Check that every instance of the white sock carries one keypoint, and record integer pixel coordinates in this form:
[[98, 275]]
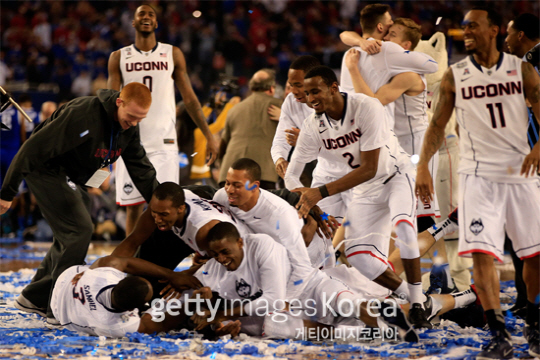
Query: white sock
[[464, 298], [403, 291], [416, 294]]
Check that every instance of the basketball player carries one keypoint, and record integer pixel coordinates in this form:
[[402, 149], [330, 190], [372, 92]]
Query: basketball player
[[499, 185], [408, 91], [266, 213], [189, 216], [371, 161], [256, 270], [294, 111], [102, 300], [159, 66]]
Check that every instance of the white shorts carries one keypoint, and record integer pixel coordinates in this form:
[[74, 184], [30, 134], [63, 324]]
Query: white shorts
[[447, 180], [167, 169], [337, 204], [487, 209], [412, 144], [371, 218]]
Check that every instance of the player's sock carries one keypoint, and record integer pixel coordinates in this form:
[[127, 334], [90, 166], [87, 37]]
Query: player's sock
[[403, 291], [533, 314], [415, 294], [443, 228], [495, 319], [464, 298]]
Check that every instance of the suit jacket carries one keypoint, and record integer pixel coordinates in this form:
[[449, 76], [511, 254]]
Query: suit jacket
[[249, 133]]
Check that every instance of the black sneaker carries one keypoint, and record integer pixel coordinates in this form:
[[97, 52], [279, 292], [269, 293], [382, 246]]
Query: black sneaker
[[393, 316], [500, 347], [418, 317], [532, 335], [432, 309], [440, 281]]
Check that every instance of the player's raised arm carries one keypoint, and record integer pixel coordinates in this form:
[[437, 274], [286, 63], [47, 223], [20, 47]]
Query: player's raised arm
[[435, 135], [115, 76], [531, 85], [193, 106]]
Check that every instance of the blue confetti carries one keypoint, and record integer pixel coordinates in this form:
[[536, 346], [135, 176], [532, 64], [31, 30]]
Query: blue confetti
[[205, 272], [277, 225], [434, 227], [324, 216], [250, 188], [537, 300], [84, 133], [250, 11], [298, 282], [435, 253], [213, 356], [346, 223]]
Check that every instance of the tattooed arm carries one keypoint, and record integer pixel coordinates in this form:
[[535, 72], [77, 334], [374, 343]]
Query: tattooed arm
[[193, 106], [531, 84], [435, 135]]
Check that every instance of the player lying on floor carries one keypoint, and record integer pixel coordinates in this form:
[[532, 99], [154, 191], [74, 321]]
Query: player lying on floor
[[103, 300], [253, 274]]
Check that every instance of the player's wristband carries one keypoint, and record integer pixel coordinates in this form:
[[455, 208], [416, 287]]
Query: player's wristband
[[324, 191]]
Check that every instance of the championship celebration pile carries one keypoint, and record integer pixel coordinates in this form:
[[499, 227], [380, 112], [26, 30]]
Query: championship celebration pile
[[369, 208]]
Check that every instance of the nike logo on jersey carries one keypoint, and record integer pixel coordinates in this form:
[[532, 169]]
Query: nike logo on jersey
[[320, 132], [462, 80], [256, 218]]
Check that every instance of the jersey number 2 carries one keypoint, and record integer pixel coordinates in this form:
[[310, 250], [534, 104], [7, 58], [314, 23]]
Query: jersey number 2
[[492, 114], [351, 159], [147, 80]]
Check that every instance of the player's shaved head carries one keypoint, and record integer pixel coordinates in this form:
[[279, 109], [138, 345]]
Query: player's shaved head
[[221, 231], [327, 75], [170, 191], [252, 169], [136, 92], [305, 63], [133, 292]]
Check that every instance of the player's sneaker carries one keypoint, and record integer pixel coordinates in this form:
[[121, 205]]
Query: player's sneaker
[[440, 280], [432, 308], [500, 347], [394, 317], [418, 317], [533, 336], [26, 305]]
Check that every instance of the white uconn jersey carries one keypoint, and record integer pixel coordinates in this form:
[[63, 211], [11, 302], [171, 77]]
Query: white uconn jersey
[[411, 113], [493, 119], [261, 277], [200, 212], [78, 308], [363, 127], [154, 69]]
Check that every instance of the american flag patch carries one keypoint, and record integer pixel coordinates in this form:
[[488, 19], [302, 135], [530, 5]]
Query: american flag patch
[[511, 72], [163, 54]]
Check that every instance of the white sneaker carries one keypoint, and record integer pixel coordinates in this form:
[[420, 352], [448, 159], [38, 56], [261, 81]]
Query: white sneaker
[[26, 305]]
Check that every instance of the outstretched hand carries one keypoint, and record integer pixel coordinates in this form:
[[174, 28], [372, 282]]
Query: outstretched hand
[[309, 197]]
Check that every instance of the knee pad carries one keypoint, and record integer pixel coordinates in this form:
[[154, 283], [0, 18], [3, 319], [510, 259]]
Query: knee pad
[[368, 264], [408, 241]]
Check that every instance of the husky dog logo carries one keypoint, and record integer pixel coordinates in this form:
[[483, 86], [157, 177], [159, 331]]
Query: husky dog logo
[[243, 289], [128, 188], [476, 226]]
